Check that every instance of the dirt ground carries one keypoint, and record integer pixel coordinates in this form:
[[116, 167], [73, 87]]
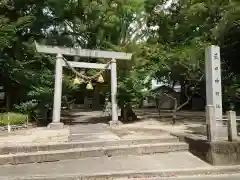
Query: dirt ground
[[187, 122]]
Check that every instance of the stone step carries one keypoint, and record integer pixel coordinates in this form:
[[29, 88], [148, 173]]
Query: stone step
[[203, 176], [76, 153], [13, 149], [200, 176], [172, 165]]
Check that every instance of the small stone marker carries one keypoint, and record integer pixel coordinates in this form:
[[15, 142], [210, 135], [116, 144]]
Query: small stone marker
[[232, 126]]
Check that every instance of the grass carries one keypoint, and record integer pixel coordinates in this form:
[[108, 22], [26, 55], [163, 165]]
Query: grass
[[14, 118]]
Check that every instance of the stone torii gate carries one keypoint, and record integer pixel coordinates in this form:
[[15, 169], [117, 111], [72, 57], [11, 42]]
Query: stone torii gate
[[59, 52]]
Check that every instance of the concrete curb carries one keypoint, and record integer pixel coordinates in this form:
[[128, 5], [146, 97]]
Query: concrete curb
[[151, 174], [50, 156], [87, 144], [218, 153]]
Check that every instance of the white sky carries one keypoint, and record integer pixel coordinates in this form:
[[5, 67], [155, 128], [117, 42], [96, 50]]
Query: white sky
[[168, 3]]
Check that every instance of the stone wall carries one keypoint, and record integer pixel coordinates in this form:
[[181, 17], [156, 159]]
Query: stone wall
[[215, 153]]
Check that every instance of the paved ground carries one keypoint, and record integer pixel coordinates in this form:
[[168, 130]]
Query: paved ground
[[215, 177], [102, 132], [211, 177], [102, 165], [91, 132]]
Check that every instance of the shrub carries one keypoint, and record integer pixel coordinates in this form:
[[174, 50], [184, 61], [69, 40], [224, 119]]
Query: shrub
[[14, 118], [25, 107]]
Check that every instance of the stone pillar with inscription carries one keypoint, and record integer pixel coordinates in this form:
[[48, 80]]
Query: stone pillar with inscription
[[214, 86]]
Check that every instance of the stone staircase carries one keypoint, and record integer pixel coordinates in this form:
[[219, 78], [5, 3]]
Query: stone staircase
[[77, 150], [100, 152]]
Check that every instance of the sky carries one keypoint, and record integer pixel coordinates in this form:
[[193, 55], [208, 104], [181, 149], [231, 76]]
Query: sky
[[168, 3]]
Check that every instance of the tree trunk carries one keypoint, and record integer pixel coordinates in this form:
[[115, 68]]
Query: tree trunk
[[174, 115], [7, 99], [183, 97], [127, 113]]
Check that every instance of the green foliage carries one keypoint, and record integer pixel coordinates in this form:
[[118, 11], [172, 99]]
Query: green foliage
[[232, 93], [42, 92], [167, 42], [26, 107], [184, 29], [12, 118], [130, 88]]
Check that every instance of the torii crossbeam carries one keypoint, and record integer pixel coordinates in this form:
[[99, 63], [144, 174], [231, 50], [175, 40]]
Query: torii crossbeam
[[59, 52]]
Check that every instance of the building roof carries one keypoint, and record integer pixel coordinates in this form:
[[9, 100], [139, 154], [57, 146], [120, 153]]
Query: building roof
[[163, 88]]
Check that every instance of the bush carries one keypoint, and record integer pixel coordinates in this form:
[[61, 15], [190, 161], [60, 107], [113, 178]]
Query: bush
[[14, 118], [25, 107]]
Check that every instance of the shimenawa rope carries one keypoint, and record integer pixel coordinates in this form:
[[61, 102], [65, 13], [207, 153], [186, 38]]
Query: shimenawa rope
[[80, 75]]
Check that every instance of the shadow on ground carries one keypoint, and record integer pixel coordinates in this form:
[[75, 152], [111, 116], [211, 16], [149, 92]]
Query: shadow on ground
[[83, 116], [100, 120]]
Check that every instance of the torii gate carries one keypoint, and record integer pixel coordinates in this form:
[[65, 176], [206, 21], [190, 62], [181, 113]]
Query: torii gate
[[60, 51]]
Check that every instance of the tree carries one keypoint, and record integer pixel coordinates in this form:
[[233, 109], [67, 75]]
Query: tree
[[182, 31], [168, 43], [90, 24], [11, 58], [114, 25], [227, 33], [182, 65], [22, 68]]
